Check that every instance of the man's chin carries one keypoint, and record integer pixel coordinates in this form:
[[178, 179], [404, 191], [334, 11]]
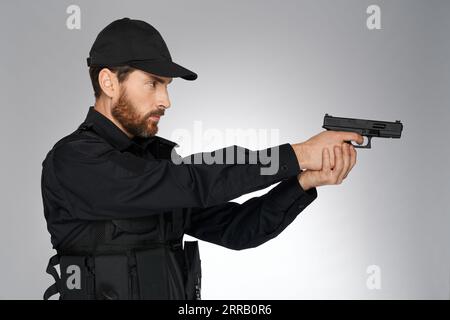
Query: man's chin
[[150, 132]]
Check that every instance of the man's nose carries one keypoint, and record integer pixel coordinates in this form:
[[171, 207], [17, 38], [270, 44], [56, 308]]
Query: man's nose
[[164, 101]]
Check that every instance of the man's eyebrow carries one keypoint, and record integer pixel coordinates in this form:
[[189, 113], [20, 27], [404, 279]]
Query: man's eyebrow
[[160, 80]]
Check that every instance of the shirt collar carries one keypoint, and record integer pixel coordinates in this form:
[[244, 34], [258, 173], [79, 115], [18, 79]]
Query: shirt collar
[[115, 136]]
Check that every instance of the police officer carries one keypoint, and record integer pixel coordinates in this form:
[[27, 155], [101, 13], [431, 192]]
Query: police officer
[[118, 198]]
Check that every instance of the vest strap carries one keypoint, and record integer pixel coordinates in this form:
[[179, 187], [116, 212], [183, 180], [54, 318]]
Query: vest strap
[[51, 270]]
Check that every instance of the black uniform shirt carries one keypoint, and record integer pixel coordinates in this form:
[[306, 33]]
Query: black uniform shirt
[[98, 173]]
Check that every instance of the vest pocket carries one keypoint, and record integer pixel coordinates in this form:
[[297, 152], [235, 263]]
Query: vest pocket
[[176, 276], [152, 273], [111, 277]]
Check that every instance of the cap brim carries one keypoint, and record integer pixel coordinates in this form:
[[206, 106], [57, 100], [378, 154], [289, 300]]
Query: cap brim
[[164, 69]]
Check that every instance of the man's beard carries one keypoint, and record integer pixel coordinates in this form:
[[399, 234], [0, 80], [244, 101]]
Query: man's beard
[[127, 115]]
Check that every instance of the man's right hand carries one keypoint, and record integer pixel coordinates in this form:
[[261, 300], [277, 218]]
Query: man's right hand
[[309, 153]]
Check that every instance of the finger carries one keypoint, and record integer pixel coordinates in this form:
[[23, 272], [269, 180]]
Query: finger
[[332, 158], [352, 136], [326, 165], [354, 155], [339, 163], [346, 159], [352, 160]]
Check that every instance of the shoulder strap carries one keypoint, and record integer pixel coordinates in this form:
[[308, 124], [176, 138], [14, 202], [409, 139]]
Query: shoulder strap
[[51, 270]]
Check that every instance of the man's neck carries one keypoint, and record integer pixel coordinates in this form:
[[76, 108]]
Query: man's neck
[[104, 108]]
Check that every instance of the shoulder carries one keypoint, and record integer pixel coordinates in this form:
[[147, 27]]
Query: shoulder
[[166, 147], [80, 144]]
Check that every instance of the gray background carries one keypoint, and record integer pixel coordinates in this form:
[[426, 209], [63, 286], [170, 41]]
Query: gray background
[[261, 64]]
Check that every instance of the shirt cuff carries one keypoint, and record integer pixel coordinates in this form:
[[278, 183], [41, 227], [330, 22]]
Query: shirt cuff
[[288, 160], [289, 192]]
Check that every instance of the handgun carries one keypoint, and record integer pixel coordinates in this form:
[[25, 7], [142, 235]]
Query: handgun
[[367, 128]]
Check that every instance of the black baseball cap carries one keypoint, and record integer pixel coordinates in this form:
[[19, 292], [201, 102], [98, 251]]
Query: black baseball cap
[[137, 44]]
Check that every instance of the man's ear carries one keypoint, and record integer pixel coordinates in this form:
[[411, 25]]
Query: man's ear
[[108, 83]]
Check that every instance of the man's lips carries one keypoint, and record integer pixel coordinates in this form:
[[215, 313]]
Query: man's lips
[[155, 117]]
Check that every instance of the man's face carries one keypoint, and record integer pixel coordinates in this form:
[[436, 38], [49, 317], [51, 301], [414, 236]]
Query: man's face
[[143, 98]]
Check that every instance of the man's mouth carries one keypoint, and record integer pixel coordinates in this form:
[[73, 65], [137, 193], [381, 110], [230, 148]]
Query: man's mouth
[[155, 117]]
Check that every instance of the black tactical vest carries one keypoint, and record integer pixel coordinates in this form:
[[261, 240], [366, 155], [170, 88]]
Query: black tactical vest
[[141, 258]]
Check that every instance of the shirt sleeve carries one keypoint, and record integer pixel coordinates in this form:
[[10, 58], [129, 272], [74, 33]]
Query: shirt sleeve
[[257, 220], [100, 182]]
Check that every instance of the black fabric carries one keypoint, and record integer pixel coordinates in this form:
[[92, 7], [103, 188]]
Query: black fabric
[[152, 274], [138, 44], [76, 278], [162, 271], [255, 221], [112, 277], [104, 193], [194, 273]]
